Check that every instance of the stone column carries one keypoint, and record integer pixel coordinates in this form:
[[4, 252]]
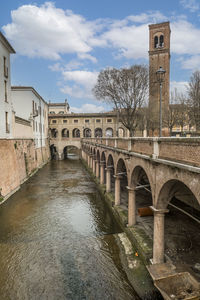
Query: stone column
[[91, 161], [117, 189], [82, 154], [102, 179], [108, 179], [97, 169], [94, 165], [131, 206], [88, 160], [158, 235]]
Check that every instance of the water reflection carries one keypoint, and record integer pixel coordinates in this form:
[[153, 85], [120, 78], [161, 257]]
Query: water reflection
[[56, 240]]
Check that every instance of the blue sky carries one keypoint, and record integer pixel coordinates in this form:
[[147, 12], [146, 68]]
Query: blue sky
[[62, 45]]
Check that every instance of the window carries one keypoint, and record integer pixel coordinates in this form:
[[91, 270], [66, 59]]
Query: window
[[39, 110], [109, 120], [87, 121], [98, 120], [64, 121], [5, 90], [156, 42], [54, 121], [52, 112], [5, 67], [75, 121], [7, 125], [61, 112], [162, 41]]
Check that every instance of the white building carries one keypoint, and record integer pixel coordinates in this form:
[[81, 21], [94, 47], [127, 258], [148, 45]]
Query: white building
[[5, 90], [30, 115]]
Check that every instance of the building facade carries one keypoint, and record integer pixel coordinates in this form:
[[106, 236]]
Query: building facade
[[5, 94], [30, 115], [67, 129]]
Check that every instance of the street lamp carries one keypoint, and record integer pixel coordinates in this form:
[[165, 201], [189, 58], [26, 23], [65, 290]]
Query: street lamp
[[160, 73]]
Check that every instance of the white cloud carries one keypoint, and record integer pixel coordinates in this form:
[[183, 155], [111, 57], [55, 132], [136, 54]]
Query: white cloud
[[184, 38], [87, 108], [153, 17], [79, 83], [180, 86], [192, 5], [131, 41], [56, 67], [87, 56], [192, 63], [48, 32]]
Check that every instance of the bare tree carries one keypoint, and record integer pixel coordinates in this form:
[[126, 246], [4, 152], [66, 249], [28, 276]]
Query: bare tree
[[177, 113], [194, 99], [126, 90]]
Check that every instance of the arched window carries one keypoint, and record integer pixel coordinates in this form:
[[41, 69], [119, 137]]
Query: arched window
[[76, 133], [54, 133], [109, 132], [161, 44], [87, 132], [156, 42], [98, 132], [65, 133], [121, 132]]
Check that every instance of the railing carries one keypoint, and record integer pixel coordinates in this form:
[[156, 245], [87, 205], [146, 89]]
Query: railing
[[183, 150]]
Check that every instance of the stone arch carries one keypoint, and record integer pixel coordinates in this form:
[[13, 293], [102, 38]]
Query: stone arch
[[87, 132], [103, 157], [76, 133], [110, 161], [71, 151], [181, 235], [110, 166], [103, 167], [98, 132], [172, 188], [109, 132], [140, 181], [54, 133], [98, 155], [121, 171], [65, 133]]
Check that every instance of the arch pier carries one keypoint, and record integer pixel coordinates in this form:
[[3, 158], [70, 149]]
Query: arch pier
[[155, 181]]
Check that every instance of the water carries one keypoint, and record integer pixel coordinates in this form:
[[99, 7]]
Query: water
[[57, 240]]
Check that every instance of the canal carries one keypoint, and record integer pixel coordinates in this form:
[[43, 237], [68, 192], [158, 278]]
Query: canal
[[57, 240]]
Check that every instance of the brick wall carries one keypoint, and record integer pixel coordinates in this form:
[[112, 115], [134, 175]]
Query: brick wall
[[181, 150], [142, 146], [18, 160]]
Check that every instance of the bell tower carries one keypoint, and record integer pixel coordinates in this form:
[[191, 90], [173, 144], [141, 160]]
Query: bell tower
[[159, 56]]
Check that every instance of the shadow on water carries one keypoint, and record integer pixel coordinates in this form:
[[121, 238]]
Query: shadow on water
[[56, 239]]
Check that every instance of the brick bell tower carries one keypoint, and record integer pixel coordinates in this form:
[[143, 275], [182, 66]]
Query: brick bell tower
[[159, 56]]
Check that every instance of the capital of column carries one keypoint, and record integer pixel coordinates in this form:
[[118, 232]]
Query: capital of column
[[109, 168], [159, 211], [102, 163], [116, 176], [130, 189]]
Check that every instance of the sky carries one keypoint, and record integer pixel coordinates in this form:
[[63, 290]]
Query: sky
[[61, 46]]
